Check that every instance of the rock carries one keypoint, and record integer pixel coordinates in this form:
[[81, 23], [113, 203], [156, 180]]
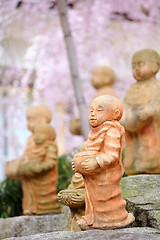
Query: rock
[[142, 194], [27, 225], [118, 234]]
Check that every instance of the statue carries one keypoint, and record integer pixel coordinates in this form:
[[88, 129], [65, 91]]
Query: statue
[[75, 127], [103, 79], [37, 168], [141, 118], [74, 198], [101, 167]]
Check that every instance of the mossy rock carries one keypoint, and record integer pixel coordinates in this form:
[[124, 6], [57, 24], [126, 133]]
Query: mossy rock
[[142, 194]]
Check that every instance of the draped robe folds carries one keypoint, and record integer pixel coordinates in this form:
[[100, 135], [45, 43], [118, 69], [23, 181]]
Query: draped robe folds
[[39, 191], [104, 206]]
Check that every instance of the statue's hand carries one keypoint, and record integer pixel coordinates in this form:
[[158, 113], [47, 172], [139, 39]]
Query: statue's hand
[[78, 199], [89, 165], [145, 112], [59, 196]]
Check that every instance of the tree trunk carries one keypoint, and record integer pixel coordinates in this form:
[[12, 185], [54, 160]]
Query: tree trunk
[[73, 67]]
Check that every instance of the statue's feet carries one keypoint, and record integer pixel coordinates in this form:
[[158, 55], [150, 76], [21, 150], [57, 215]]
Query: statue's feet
[[83, 224]]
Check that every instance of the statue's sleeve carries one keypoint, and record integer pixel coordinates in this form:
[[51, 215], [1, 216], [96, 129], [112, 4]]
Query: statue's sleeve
[[112, 148], [50, 160]]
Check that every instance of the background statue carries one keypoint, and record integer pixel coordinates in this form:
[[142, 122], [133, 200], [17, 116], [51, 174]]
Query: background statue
[[36, 169], [101, 167], [74, 197], [141, 118], [103, 79]]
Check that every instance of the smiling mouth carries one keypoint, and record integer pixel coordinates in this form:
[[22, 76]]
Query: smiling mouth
[[93, 119]]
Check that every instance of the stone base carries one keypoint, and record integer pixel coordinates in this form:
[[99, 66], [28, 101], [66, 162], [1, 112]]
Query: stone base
[[119, 234], [27, 225], [142, 194]]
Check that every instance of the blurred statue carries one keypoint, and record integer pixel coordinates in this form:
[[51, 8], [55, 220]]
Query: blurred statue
[[74, 197], [141, 118], [37, 168], [101, 167], [103, 79], [75, 127]]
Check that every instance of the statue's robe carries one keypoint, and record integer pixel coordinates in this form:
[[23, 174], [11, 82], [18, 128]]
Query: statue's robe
[[142, 138], [104, 207], [39, 177]]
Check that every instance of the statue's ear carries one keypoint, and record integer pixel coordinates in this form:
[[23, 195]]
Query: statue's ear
[[117, 113], [155, 67]]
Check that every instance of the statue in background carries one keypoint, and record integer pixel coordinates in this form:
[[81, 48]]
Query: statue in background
[[74, 197], [103, 79], [75, 127], [37, 168], [141, 118], [101, 167]]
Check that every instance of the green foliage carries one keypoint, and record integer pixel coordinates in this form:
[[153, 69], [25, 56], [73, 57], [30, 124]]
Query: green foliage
[[123, 155], [65, 171], [10, 198]]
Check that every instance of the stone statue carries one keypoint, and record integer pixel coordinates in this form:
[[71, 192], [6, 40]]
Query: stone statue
[[103, 79], [141, 118], [37, 168], [74, 197], [75, 127], [101, 167]]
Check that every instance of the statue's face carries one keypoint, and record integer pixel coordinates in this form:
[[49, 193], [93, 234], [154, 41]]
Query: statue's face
[[99, 113], [142, 67], [32, 121], [40, 137], [100, 78]]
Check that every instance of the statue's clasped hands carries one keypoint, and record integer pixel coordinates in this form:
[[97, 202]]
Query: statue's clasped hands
[[89, 165]]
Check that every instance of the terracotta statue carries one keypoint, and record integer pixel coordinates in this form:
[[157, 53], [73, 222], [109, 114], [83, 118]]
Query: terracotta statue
[[141, 118], [39, 180], [101, 167], [103, 79], [74, 197], [38, 170]]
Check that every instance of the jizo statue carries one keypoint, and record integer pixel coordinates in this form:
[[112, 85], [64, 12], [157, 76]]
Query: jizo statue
[[101, 167], [37, 168], [141, 118]]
